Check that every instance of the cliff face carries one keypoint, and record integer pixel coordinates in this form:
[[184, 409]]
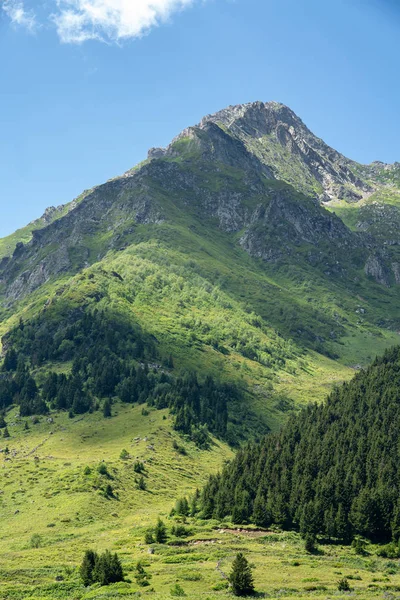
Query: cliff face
[[254, 171]]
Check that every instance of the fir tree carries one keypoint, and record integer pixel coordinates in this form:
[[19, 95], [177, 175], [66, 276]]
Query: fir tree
[[241, 577], [160, 532], [107, 409], [86, 570]]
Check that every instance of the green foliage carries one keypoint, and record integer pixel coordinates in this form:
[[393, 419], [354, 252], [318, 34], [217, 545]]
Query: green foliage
[[107, 408], [327, 472], [102, 469], [360, 546], [149, 537], [180, 531], [310, 543], [241, 577], [343, 585], [177, 590], [138, 467], [142, 577], [36, 540], [141, 483], [160, 532], [102, 568]]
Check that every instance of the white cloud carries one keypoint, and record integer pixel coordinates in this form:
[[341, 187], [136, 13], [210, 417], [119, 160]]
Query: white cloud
[[18, 15], [111, 20]]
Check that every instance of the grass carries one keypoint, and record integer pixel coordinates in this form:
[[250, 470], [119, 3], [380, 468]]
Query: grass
[[47, 491]]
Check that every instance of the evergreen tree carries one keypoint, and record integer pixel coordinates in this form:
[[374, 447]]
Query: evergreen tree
[[241, 578], [107, 408], [6, 433], [10, 360], [142, 576], [160, 532], [87, 567]]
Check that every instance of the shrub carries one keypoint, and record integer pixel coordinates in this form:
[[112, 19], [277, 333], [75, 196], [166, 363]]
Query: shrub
[[141, 483], [142, 577], [343, 585], [177, 590], [102, 469], [359, 546], [310, 543], [138, 467], [36, 541], [124, 454], [180, 531]]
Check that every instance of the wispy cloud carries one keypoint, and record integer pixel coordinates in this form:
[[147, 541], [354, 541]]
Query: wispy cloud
[[111, 20], [77, 21], [19, 15]]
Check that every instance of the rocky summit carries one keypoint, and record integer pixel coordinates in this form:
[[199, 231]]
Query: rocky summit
[[254, 171], [164, 319]]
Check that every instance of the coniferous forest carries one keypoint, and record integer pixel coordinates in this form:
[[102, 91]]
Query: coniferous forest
[[109, 359], [332, 470]]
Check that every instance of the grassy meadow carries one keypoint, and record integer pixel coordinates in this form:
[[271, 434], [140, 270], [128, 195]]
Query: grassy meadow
[[53, 496]]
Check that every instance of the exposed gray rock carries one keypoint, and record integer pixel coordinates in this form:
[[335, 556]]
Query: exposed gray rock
[[375, 267]]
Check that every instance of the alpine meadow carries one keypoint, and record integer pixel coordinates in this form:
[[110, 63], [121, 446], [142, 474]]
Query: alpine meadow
[[200, 375]]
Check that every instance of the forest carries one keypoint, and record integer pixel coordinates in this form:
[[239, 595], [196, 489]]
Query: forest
[[332, 470], [109, 359]]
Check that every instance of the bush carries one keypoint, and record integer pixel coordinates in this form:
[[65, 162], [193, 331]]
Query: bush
[[102, 469], [141, 576], [124, 454], [177, 590], [391, 550], [109, 492], [36, 541], [141, 484], [138, 467], [359, 546], [343, 585], [180, 531], [310, 543]]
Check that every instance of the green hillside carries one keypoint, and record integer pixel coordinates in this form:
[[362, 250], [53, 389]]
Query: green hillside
[[203, 298], [331, 470]]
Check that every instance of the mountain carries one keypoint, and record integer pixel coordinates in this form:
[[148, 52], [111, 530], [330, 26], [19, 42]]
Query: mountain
[[332, 470], [247, 250], [162, 320]]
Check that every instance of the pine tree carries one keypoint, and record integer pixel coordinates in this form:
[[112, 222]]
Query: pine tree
[[142, 577], [241, 578], [6, 433], [107, 409], [10, 360], [87, 567], [160, 532]]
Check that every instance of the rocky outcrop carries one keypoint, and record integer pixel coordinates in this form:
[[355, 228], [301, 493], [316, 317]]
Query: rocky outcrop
[[376, 268]]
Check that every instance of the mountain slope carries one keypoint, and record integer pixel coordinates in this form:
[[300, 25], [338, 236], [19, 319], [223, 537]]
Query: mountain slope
[[332, 470], [227, 258]]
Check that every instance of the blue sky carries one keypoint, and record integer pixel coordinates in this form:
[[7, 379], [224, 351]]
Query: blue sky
[[87, 86]]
